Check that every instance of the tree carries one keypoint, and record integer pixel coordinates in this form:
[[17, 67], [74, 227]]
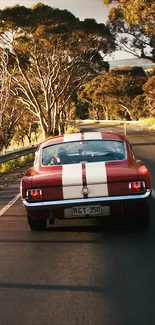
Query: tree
[[110, 95], [149, 88], [54, 53], [139, 107], [9, 110], [27, 128], [133, 22], [144, 104]]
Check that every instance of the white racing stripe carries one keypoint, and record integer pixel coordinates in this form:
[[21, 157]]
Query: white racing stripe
[[72, 181], [9, 204], [72, 137], [92, 135], [96, 177]]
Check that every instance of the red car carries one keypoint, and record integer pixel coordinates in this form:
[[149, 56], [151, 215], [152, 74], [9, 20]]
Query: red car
[[85, 175]]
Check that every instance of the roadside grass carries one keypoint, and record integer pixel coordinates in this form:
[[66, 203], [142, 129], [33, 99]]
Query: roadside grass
[[89, 122], [16, 163], [74, 126], [14, 145], [14, 170], [72, 129], [148, 122], [110, 123]]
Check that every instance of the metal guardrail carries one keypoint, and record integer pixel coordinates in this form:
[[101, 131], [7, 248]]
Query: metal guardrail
[[107, 121], [17, 153]]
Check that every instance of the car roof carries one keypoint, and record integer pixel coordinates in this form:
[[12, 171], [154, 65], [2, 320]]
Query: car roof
[[81, 135]]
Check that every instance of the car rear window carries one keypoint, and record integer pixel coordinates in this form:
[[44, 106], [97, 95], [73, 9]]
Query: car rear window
[[83, 151]]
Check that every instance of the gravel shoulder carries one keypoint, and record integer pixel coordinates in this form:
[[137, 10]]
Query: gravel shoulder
[[9, 177]]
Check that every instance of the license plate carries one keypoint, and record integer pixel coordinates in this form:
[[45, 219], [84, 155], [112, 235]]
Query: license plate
[[87, 209]]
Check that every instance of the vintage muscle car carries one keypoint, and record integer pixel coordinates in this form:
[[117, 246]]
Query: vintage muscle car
[[85, 175]]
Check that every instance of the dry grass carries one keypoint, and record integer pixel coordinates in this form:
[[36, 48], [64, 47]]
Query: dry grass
[[13, 170], [15, 145], [74, 126], [11, 165], [72, 129], [147, 121], [12, 176]]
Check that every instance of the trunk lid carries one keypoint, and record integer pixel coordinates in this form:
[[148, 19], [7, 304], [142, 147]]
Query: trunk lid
[[101, 179]]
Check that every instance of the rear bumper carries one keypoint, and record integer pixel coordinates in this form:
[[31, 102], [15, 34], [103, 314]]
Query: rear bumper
[[64, 204]]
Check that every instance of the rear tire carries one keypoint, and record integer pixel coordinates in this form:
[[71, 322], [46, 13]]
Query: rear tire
[[36, 224]]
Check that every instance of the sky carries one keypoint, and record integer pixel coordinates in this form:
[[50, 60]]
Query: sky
[[80, 8]]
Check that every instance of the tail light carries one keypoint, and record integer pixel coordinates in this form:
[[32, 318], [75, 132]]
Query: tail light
[[34, 195], [137, 187]]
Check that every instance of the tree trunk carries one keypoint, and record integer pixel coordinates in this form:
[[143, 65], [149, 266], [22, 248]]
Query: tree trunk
[[97, 113], [56, 125], [61, 129], [44, 133], [56, 120], [127, 112], [29, 139], [106, 114]]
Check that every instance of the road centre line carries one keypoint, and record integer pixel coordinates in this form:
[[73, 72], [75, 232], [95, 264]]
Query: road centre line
[[9, 204], [18, 196]]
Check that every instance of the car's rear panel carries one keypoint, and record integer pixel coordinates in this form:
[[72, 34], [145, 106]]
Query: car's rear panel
[[102, 180], [65, 183]]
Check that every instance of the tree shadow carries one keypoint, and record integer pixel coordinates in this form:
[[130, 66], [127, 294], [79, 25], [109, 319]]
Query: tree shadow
[[53, 287]]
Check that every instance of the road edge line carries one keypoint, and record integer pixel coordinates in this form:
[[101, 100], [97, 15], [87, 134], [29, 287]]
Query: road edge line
[[6, 207]]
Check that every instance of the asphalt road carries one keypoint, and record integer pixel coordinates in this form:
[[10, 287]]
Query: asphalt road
[[78, 273]]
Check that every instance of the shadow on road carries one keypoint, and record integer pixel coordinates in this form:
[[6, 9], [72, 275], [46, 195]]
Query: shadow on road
[[79, 288], [105, 232]]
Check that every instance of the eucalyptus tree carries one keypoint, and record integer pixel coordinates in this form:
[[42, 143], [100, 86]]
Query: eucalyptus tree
[[10, 112], [53, 53], [149, 91], [111, 94], [133, 24]]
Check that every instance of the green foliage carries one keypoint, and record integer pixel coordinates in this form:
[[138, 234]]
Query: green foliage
[[148, 122], [150, 72], [8, 114], [15, 163], [139, 109], [132, 22], [72, 129], [149, 89], [26, 128], [110, 95], [52, 54]]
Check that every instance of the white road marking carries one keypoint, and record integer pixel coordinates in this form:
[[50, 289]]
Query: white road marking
[[9, 204]]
